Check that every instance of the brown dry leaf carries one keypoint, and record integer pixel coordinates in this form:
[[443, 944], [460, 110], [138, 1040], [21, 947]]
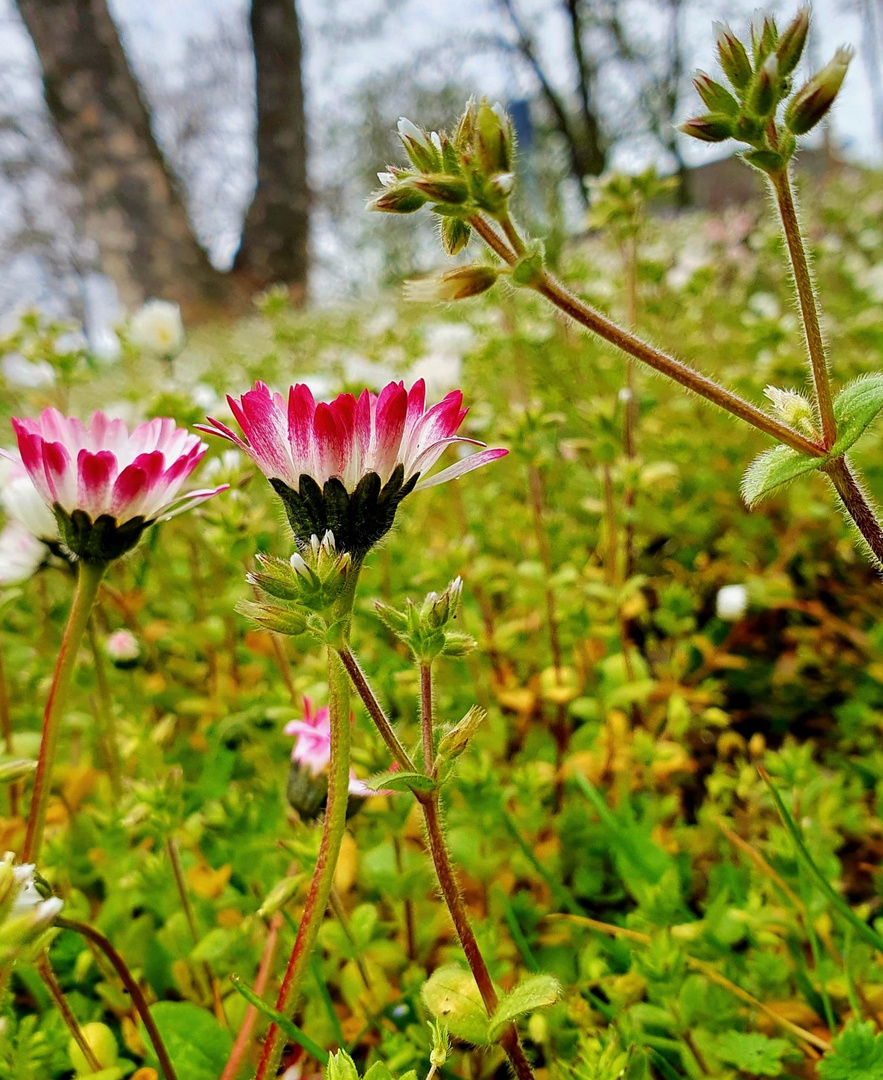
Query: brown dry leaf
[[520, 699], [132, 1038], [229, 918], [78, 785], [145, 1074]]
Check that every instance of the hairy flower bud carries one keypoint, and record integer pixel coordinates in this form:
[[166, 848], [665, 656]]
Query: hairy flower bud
[[458, 284], [764, 37], [440, 188], [792, 42], [455, 235], [713, 127], [716, 98], [278, 620], [793, 408], [733, 57], [815, 98], [763, 95], [454, 742], [401, 198], [420, 146], [494, 138]]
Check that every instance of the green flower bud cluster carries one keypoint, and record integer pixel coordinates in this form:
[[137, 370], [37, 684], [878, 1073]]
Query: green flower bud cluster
[[308, 584], [25, 915], [456, 175], [424, 629], [760, 83]]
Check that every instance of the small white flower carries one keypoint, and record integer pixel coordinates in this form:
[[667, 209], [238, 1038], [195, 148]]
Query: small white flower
[[20, 554], [732, 602], [408, 130], [27, 374], [21, 501], [157, 328]]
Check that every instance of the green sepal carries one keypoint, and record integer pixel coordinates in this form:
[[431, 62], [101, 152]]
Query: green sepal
[[537, 992], [451, 995], [358, 519], [855, 407], [101, 540]]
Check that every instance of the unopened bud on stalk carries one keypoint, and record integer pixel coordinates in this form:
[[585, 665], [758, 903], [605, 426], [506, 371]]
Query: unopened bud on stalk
[[419, 146], [281, 893], [792, 42], [716, 98], [457, 284], [793, 408], [763, 95], [278, 620], [440, 188], [454, 742], [455, 234], [437, 610], [402, 198], [815, 98], [764, 37], [713, 127], [494, 138], [733, 57]]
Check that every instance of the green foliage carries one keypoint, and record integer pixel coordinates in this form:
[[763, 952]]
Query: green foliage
[[196, 1042], [538, 992], [857, 1055]]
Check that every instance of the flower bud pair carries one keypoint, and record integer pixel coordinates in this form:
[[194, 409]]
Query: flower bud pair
[[424, 628]]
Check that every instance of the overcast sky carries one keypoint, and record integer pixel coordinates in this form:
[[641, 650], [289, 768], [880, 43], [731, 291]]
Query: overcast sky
[[344, 44]]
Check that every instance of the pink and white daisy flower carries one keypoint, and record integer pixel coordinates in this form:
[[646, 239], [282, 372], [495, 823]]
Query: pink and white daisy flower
[[105, 483], [345, 465]]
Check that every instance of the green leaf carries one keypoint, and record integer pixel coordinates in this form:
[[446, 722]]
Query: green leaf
[[282, 1022], [537, 992], [401, 781], [379, 1071], [196, 1042], [451, 995], [855, 407], [772, 469], [752, 1052], [857, 1055], [341, 1066]]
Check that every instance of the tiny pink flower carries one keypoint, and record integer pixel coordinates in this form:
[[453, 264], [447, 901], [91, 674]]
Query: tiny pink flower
[[312, 747], [345, 465], [105, 483], [123, 649]]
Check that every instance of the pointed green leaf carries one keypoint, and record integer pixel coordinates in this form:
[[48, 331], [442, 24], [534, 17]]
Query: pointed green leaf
[[401, 781], [282, 1022], [451, 995], [772, 469], [855, 407], [537, 992], [196, 1042]]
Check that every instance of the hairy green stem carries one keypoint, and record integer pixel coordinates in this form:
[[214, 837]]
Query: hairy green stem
[[128, 980], [70, 1021], [605, 328], [857, 506], [376, 713], [332, 836], [815, 344], [108, 733], [88, 580], [447, 879]]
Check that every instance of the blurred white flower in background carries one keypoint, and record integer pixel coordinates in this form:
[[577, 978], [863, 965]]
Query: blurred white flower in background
[[157, 328], [21, 501], [731, 603], [18, 371], [764, 305], [21, 554]]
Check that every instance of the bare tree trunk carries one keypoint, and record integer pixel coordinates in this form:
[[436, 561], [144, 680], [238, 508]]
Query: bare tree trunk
[[275, 237], [133, 211]]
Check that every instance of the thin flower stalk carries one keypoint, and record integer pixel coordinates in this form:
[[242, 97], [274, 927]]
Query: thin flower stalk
[[682, 373], [329, 849], [70, 1021], [130, 983], [429, 803], [89, 577], [781, 183]]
